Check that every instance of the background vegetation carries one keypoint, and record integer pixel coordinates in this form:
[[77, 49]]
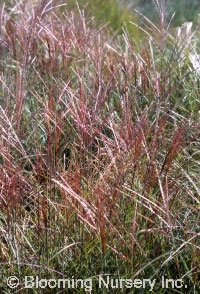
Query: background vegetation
[[99, 148], [184, 10]]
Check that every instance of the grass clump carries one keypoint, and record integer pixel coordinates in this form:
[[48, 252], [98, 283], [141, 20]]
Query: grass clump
[[99, 150]]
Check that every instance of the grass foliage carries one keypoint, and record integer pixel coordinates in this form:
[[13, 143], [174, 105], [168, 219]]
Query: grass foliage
[[99, 149]]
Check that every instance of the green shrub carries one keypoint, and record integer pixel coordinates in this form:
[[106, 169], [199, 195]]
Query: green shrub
[[184, 10], [110, 11]]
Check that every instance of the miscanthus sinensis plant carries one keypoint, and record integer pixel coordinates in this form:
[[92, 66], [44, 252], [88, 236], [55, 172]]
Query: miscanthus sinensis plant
[[99, 149]]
